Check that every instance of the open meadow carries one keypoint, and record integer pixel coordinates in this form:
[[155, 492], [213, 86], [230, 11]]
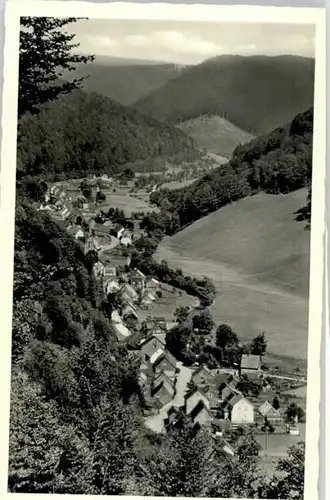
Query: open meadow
[[257, 255]]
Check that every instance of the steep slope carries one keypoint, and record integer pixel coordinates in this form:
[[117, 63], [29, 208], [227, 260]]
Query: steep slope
[[125, 81], [256, 93], [84, 132], [279, 162], [258, 257], [215, 134]]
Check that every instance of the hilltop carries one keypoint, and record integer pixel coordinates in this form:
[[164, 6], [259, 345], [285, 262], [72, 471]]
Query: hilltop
[[124, 80], [86, 132], [215, 134], [257, 254], [256, 93]]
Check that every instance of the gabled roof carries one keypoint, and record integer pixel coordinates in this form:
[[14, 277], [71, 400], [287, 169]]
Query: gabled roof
[[162, 377], [237, 398], [198, 408], [160, 337], [129, 290], [130, 309], [122, 331], [250, 361], [204, 369], [267, 407], [136, 273], [168, 357], [156, 355]]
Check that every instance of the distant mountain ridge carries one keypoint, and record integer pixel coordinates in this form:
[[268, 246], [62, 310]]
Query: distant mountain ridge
[[125, 80], [256, 93]]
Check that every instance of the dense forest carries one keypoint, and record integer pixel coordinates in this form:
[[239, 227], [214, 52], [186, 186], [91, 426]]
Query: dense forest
[[278, 162], [84, 133], [256, 93]]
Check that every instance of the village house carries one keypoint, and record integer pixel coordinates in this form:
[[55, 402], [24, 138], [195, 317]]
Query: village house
[[159, 322], [111, 286], [162, 391], [150, 345], [201, 415], [147, 299], [193, 398], [91, 245], [128, 294], [250, 365], [122, 332], [109, 271], [202, 376], [47, 208], [137, 279], [99, 270], [130, 312], [117, 230], [163, 361], [76, 232], [125, 238], [241, 410], [269, 414], [152, 284], [226, 391]]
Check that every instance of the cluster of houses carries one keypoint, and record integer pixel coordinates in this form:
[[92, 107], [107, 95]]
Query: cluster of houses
[[210, 398], [80, 222]]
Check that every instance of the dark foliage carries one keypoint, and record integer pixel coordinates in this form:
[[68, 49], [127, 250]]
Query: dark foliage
[[45, 51], [87, 133]]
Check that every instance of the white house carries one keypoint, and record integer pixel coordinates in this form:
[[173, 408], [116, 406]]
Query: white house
[[242, 410]]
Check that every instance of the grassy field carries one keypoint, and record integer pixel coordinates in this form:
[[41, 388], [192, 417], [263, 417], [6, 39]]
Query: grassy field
[[258, 257], [215, 134], [126, 203], [166, 305], [177, 184]]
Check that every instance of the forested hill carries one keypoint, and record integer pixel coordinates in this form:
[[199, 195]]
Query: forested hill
[[256, 93], [125, 82], [85, 132], [278, 162]]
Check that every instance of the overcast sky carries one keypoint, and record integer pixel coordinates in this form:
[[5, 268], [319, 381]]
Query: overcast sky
[[190, 42]]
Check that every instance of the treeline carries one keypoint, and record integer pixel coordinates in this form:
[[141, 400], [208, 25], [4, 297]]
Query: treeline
[[203, 288], [83, 133], [279, 162]]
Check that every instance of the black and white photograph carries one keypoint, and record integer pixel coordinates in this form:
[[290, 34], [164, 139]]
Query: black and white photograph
[[164, 255]]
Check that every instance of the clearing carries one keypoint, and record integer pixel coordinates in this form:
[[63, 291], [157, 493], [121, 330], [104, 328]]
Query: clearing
[[257, 254], [215, 134], [126, 203], [166, 305]]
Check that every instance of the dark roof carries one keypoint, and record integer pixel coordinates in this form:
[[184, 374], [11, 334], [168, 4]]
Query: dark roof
[[150, 337], [250, 361], [198, 408]]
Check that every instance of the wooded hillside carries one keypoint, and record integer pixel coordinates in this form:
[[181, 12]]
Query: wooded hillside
[[256, 93], [83, 133]]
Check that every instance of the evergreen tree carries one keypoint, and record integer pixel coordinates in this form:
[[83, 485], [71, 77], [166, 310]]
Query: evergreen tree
[[45, 50]]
